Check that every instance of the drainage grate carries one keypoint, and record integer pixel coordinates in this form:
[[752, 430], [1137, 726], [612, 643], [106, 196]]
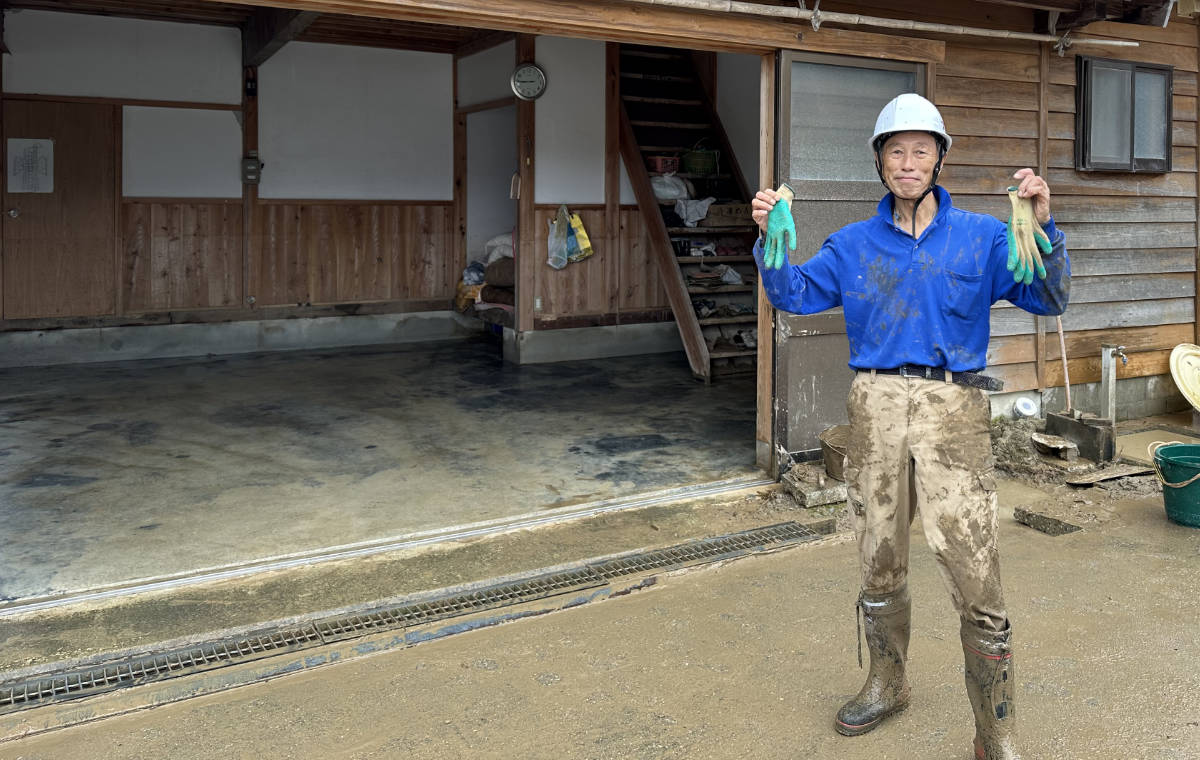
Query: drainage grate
[[149, 668], [500, 595]]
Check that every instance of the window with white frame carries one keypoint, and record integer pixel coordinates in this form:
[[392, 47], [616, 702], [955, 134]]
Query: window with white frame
[[1122, 116]]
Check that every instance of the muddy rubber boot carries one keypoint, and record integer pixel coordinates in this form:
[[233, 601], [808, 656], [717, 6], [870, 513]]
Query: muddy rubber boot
[[887, 620], [991, 684]]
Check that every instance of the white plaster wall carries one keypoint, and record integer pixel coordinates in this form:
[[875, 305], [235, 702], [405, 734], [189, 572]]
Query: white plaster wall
[[485, 76], [491, 161], [342, 122], [737, 105], [180, 153], [80, 54], [569, 123], [627, 196]]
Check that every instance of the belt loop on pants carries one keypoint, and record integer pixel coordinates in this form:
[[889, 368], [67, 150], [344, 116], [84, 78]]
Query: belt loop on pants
[[872, 377], [949, 376]]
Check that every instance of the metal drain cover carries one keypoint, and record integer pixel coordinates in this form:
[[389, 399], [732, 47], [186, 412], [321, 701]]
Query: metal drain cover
[[158, 666]]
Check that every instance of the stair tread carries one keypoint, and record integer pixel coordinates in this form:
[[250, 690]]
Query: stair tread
[[739, 319], [673, 124], [732, 354], [714, 259], [723, 289], [664, 148], [656, 77], [711, 230], [663, 101]]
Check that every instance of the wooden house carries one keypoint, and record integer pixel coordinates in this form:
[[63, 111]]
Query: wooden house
[[228, 163]]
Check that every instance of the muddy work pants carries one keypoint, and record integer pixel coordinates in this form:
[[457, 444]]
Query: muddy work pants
[[918, 444]]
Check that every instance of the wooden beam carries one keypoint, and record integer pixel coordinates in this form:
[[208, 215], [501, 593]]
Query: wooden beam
[[644, 25], [765, 425], [483, 42], [526, 233], [269, 29], [487, 105], [1063, 6]]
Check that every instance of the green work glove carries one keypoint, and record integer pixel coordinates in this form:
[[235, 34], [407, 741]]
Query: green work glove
[[1025, 239], [781, 230]]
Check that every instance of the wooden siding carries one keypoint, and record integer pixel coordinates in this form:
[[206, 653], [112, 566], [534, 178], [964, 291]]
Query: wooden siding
[[604, 285], [314, 252], [1132, 237], [180, 254]]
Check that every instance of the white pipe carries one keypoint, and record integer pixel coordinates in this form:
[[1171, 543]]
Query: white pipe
[[855, 19]]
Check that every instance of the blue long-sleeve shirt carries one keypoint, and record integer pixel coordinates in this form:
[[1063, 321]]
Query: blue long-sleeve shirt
[[925, 301]]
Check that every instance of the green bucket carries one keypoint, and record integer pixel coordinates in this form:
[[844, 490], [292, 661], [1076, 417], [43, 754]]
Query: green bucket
[[1178, 467]]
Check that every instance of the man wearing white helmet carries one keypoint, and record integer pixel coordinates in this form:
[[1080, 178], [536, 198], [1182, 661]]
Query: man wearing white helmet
[[917, 282]]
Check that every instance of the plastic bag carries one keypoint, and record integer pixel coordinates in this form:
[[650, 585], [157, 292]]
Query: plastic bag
[[556, 241], [579, 245], [668, 187]]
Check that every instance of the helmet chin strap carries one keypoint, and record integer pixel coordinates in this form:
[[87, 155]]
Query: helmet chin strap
[[937, 170]]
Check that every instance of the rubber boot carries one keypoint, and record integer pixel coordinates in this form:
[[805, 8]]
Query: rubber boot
[[991, 683], [887, 619]]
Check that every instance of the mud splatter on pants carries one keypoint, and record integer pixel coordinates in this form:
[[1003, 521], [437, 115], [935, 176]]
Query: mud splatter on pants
[[918, 444]]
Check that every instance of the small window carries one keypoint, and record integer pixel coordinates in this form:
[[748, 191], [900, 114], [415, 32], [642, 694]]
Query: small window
[[1123, 116]]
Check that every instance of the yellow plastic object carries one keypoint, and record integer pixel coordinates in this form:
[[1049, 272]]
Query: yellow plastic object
[[1185, 368]]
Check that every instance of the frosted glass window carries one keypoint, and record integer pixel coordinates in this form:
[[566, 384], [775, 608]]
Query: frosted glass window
[[1110, 115], [1124, 119], [1150, 109], [833, 111]]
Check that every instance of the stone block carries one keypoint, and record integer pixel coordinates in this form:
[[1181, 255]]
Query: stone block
[[810, 487]]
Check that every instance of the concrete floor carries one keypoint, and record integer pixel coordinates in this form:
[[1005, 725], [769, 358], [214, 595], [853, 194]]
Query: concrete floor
[[117, 472], [746, 659]]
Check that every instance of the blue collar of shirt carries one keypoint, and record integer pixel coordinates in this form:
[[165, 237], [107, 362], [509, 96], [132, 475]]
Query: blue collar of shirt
[[887, 207]]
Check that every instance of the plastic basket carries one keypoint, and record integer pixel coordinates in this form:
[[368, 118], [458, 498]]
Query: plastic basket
[[662, 164], [1178, 468], [701, 162]]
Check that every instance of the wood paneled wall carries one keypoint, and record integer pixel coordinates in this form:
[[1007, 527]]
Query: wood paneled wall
[[187, 254], [1132, 237], [617, 279], [183, 254], [335, 252]]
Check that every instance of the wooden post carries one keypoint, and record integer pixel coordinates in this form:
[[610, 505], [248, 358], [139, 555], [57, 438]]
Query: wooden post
[[612, 172], [526, 234], [3, 167], [249, 192], [765, 426], [1043, 163], [118, 191], [460, 176]]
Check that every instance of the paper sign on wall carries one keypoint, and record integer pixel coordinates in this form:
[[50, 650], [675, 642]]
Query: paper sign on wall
[[30, 166]]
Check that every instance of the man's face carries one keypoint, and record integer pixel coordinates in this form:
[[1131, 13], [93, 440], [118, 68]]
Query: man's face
[[908, 162]]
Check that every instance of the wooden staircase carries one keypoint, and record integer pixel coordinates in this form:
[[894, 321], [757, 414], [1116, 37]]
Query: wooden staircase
[[666, 111]]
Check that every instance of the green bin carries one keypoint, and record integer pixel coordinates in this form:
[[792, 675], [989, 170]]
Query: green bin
[[1178, 467]]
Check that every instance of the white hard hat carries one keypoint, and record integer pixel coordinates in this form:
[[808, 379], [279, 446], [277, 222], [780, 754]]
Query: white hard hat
[[909, 113]]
